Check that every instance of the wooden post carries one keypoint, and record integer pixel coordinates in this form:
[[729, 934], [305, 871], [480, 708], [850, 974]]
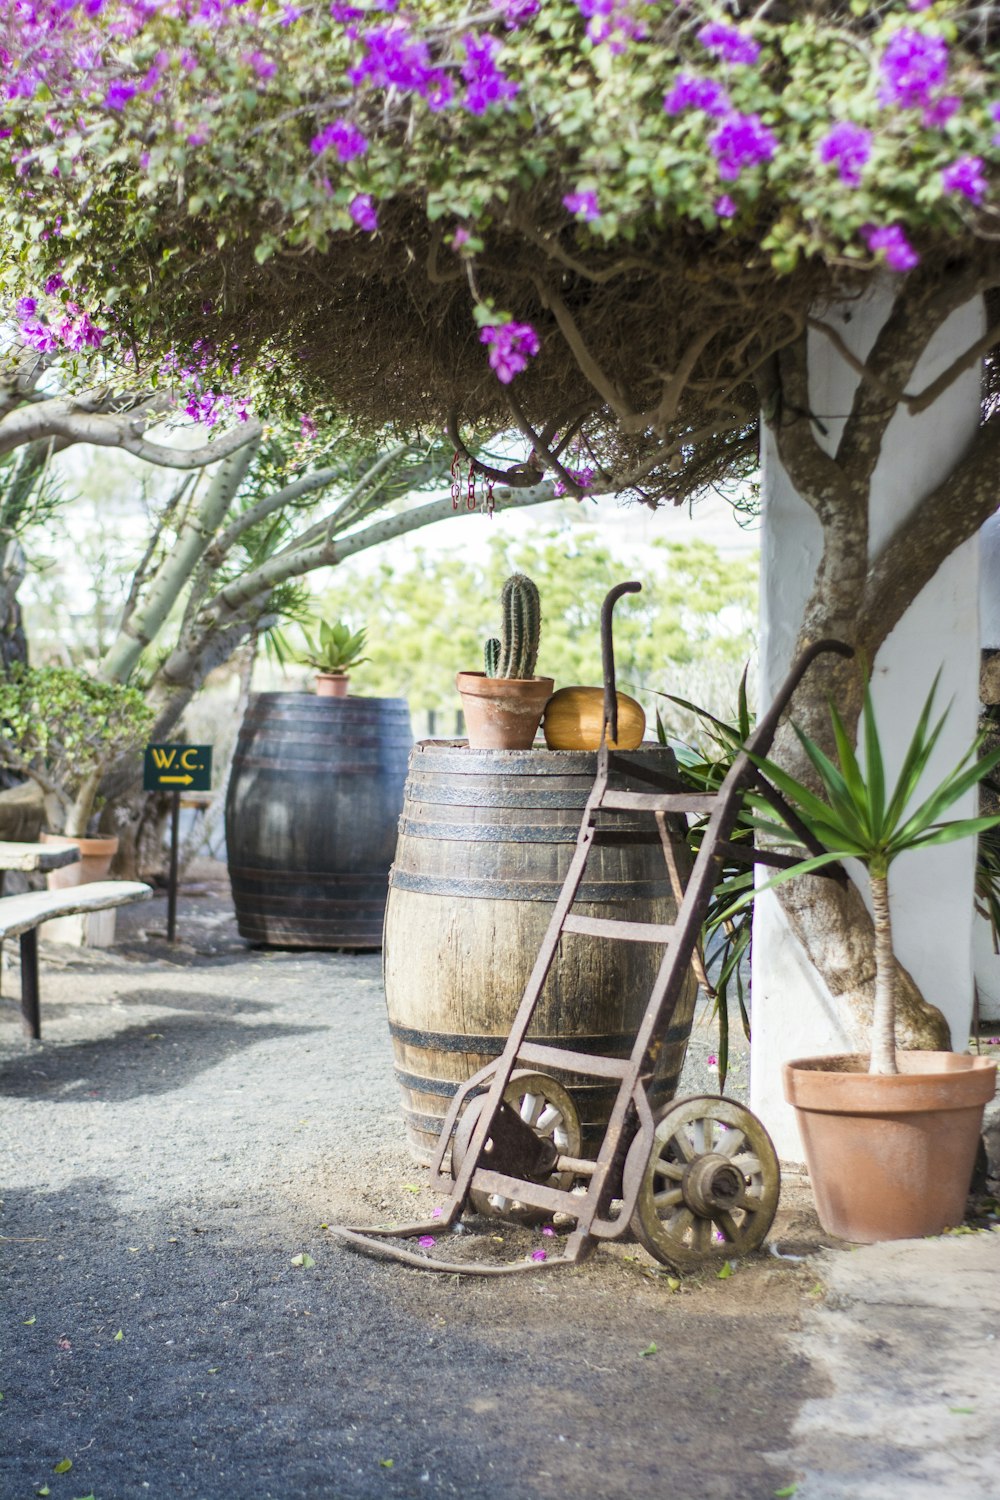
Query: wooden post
[[175, 817]]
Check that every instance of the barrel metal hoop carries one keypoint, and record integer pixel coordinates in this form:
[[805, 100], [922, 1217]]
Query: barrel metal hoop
[[471, 887], [612, 1044], [492, 833], [573, 799]]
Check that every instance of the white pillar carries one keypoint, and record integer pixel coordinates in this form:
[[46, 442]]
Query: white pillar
[[987, 963], [931, 890]]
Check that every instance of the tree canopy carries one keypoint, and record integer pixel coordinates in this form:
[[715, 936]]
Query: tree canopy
[[595, 221]]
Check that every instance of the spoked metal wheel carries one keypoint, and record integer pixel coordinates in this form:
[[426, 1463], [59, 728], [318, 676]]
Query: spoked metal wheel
[[544, 1106], [708, 1189]]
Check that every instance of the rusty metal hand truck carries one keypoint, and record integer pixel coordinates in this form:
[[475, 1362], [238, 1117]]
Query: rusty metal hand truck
[[695, 1180]]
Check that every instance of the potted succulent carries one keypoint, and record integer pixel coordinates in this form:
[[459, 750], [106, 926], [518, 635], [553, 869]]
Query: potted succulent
[[890, 1139], [63, 729], [503, 705], [333, 652]]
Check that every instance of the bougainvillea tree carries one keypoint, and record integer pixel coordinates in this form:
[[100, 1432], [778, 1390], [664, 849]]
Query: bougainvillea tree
[[609, 225]]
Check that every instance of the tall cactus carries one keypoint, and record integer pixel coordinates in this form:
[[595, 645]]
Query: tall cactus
[[515, 654]]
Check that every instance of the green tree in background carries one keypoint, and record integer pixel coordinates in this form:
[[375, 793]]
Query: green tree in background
[[429, 619]]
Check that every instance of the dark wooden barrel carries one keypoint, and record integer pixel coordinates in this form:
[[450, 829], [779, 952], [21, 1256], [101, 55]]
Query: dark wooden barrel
[[485, 841], [311, 813]]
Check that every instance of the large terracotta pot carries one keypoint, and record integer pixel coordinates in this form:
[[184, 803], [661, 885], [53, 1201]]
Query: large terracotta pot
[[94, 863], [890, 1157], [502, 713]]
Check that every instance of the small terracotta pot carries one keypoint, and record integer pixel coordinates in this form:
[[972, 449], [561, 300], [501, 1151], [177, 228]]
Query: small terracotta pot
[[890, 1157], [94, 863], [331, 684], [502, 713]]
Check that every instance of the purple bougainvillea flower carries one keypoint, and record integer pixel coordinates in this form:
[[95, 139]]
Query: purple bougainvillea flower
[[548, 1231], [583, 205], [516, 12], [436, 1213], [539, 1255], [362, 211], [965, 177], [583, 477], [724, 206], [611, 21], [848, 146], [486, 83], [941, 110], [728, 44], [693, 92], [741, 141], [511, 345], [395, 58], [711, 1061], [427, 1242], [26, 307], [914, 66], [118, 95], [890, 241], [344, 137]]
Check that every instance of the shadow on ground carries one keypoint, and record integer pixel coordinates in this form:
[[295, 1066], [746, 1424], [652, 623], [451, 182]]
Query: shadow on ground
[[142, 1060], [165, 1355]]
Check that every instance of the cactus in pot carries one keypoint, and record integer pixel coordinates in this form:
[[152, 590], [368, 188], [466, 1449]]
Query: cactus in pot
[[515, 653], [503, 705]]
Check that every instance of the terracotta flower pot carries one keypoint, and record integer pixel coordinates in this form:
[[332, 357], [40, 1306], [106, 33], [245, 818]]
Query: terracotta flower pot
[[331, 684], [94, 863], [502, 713], [890, 1157]]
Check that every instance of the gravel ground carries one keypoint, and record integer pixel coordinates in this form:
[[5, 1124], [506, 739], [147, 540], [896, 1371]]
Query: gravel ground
[[191, 1121]]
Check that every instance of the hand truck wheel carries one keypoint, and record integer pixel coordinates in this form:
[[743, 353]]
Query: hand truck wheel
[[543, 1104], [708, 1188]]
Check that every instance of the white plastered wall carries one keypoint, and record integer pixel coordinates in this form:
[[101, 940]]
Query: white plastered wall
[[931, 891]]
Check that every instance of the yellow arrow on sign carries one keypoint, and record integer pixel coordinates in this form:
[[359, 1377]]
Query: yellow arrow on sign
[[184, 780]]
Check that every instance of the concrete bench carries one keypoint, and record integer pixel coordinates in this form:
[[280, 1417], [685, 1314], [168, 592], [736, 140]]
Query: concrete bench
[[21, 917]]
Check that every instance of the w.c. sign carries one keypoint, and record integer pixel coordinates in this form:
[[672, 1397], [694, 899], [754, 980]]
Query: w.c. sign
[[177, 768]]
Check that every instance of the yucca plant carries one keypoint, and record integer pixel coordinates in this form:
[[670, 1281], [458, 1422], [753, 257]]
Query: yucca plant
[[854, 815]]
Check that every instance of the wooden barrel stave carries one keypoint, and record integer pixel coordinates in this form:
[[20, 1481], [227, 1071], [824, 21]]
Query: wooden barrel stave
[[483, 850]]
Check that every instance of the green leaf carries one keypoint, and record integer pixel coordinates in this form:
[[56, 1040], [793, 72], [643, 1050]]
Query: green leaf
[[725, 1271], [63, 1466], [304, 1260], [385, 1463], [44, 1490], [29, 1321], [119, 1336], [789, 1489], [649, 1349]]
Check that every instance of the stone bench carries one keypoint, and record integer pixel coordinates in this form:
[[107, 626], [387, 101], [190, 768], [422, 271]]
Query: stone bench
[[21, 917]]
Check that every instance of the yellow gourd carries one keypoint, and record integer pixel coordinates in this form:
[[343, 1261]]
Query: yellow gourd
[[574, 717]]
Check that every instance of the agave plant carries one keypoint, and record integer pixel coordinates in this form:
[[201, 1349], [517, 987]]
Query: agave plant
[[855, 815], [335, 648]]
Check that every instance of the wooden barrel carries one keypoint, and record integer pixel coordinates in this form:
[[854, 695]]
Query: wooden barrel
[[485, 841], [311, 813]]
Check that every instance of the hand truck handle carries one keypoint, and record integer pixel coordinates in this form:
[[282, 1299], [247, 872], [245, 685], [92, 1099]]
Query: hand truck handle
[[610, 725]]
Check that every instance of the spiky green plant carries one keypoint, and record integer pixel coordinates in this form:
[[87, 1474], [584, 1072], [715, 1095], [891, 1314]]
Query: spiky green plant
[[491, 656], [336, 648], [855, 816], [516, 652], [726, 934]]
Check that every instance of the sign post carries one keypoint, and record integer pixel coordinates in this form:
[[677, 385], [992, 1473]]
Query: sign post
[[176, 768]]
